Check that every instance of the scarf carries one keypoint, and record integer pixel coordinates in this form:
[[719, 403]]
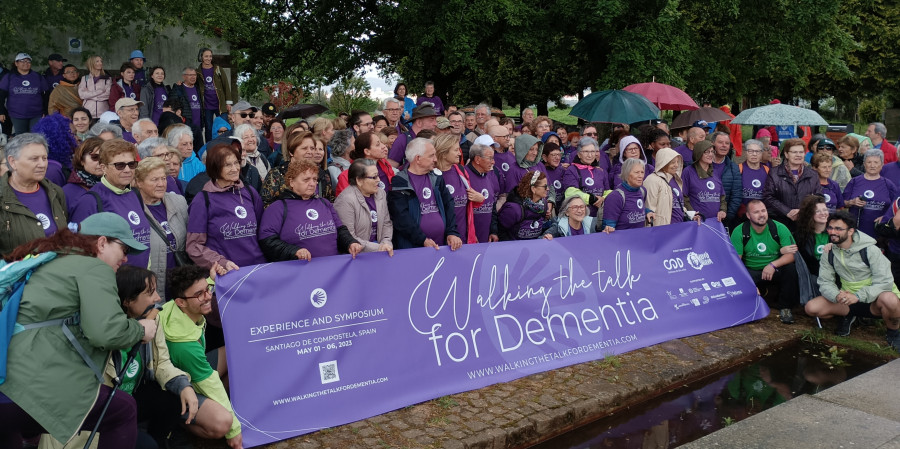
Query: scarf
[[85, 178], [537, 207]]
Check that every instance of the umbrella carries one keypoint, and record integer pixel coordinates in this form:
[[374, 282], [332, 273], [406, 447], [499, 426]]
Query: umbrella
[[664, 96], [779, 115], [686, 119], [495, 112], [301, 111], [615, 106]]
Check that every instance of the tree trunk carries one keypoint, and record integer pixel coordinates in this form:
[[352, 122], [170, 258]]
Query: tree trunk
[[542, 108]]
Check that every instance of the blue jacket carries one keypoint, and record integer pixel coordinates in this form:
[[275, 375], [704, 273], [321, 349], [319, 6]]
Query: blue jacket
[[734, 189], [403, 205]]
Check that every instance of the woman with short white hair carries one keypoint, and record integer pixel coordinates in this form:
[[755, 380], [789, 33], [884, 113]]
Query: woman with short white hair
[[250, 147]]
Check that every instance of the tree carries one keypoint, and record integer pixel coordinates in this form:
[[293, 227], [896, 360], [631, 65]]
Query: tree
[[350, 94], [283, 94]]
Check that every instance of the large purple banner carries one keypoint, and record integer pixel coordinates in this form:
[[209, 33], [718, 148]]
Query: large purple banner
[[322, 343]]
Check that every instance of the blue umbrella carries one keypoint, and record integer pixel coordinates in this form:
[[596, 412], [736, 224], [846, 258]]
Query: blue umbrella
[[615, 106]]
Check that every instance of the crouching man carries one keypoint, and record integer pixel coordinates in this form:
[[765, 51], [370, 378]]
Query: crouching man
[[855, 280]]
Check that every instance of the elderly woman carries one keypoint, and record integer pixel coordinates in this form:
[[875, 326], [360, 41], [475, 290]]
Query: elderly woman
[[362, 206], [300, 225], [118, 161], [465, 198], [834, 197], [250, 145], [341, 145], [224, 217], [789, 183], [105, 131], [541, 125], [871, 194], [181, 138], [371, 146], [33, 207], [573, 219], [625, 206], [753, 172], [299, 145], [159, 147], [154, 94], [839, 172], [665, 190], [167, 214], [848, 147], [81, 123], [629, 148], [524, 215], [94, 87], [585, 177], [86, 171], [703, 192]]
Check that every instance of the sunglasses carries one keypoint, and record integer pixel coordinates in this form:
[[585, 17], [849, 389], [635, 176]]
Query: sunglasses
[[121, 165], [94, 156]]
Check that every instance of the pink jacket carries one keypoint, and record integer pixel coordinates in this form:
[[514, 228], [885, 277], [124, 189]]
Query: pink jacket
[[95, 95]]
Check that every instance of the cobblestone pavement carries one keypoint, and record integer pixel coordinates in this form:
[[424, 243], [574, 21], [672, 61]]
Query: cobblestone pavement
[[531, 409]]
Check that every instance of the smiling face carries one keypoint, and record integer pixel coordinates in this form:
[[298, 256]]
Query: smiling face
[[231, 171], [636, 177], [632, 151], [206, 57], [249, 141], [81, 122], [158, 75], [588, 154], [577, 209], [824, 170], [149, 296], [821, 215]]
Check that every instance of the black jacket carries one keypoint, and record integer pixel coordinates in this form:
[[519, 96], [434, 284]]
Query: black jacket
[[277, 250]]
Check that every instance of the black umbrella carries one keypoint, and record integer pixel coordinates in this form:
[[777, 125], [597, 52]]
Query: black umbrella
[[707, 114], [301, 111]]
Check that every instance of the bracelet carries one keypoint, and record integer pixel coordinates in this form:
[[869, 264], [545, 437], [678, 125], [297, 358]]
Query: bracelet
[[773, 266]]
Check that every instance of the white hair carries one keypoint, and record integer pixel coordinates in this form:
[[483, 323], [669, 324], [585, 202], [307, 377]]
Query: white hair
[[137, 128], [175, 133], [145, 149], [416, 148]]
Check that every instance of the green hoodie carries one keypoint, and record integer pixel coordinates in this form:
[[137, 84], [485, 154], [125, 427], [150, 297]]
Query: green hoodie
[[187, 350], [523, 144]]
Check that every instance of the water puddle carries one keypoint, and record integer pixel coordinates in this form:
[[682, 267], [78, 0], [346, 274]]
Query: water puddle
[[696, 410]]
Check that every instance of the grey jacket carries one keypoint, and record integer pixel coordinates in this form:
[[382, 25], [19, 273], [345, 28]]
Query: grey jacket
[[853, 272], [177, 217], [353, 211]]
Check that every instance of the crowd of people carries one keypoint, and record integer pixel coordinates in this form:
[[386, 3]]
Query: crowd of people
[[170, 186]]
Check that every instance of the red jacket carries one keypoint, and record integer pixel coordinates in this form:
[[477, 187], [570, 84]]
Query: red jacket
[[117, 91], [889, 150]]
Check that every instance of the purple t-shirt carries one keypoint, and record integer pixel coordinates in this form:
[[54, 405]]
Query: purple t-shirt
[[129, 90], [878, 195], [128, 136], [436, 100], [193, 98], [705, 194], [677, 202], [210, 98], [384, 183], [159, 214], [503, 162], [172, 186], [555, 180], [53, 80], [627, 209], [516, 173], [39, 203], [753, 182], [373, 213], [398, 148], [159, 97], [591, 180], [140, 77], [25, 93], [126, 205], [230, 224], [521, 222], [579, 231], [489, 186], [686, 154], [615, 175], [73, 193], [430, 220], [311, 224], [891, 171], [460, 200], [834, 199]]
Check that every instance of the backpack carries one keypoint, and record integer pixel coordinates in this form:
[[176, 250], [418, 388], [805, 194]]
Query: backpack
[[741, 168], [745, 233], [864, 254]]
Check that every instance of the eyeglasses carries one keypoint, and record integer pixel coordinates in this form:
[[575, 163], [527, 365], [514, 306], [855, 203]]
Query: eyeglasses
[[540, 186], [125, 248], [121, 165], [593, 151], [590, 134], [164, 156], [709, 151], [94, 156], [208, 291], [579, 207], [754, 151], [71, 72], [373, 178], [557, 154], [835, 228]]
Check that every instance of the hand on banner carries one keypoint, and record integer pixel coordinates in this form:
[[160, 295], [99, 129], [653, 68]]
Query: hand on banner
[[189, 403], [454, 242], [218, 270], [493, 238], [387, 247], [698, 218], [303, 254], [431, 244], [609, 229], [355, 248], [236, 443], [547, 237], [231, 266], [721, 216]]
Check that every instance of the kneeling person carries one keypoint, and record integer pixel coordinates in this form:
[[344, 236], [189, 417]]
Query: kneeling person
[[855, 280], [767, 249]]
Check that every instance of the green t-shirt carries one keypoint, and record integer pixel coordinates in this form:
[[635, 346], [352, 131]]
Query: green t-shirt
[[130, 374], [821, 241], [761, 249]]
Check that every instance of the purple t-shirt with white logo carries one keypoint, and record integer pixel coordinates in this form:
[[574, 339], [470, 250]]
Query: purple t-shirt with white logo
[[677, 202], [834, 199], [159, 97], [503, 162], [590, 180], [311, 224], [39, 203], [555, 180], [193, 98], [127, 206], [129, 90], [230, 224], [705, 194], [627, 209], [430, 220], [25, 93], [373, 213], [489, 186], [878, 195], [891, 171], [521, 222], [159, 214], [753, 182], [515, 174], [210, 98], [460, 200]]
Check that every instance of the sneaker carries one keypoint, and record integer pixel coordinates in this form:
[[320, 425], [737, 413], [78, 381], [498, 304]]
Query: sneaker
[[843, 329], [786, 316], [893, 339]]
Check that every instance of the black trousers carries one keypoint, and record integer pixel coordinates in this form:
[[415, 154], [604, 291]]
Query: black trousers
[[785, 281]]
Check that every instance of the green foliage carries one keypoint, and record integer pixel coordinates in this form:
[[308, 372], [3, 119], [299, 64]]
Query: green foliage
[[350, 94], [871, 109]]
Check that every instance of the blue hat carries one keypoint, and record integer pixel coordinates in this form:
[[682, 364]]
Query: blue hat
[[137, 54]]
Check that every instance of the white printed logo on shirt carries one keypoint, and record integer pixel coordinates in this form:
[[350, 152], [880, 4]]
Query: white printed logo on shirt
[[374, 216], [827, 197], [132, 95], [134, 218], [710, 185], [869, 194], [45, 220], [450, 189], [676, 191], [208, 79], [426, 193], [756, 183], [558, 185], [485, 193], [312, 214], [504, 166], [589, 181], [193, 98], [240, 212], [640, 203], [26, 83], [820, 249], [761, 247], [381, 185], [165, 226], [164, 98], [535, 225]]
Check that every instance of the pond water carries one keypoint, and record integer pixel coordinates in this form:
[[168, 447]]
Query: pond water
[[696, 410]]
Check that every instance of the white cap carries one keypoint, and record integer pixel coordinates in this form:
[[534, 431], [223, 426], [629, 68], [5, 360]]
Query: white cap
[[487, 140], [22, 56], [108, 116]]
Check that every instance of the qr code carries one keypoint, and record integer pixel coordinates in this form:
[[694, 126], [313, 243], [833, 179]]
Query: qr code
[[328, 371]]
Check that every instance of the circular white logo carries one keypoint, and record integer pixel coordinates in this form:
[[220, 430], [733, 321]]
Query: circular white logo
[[557, 185], [504, 166], [535, 225], [450, 189], [208, 79], [165, 226], [640, 203], [164, 98], [756, 183], [827, 197], [132, 96], [45, 220], [55, 85], [240, 212], [820, 249], [132, 369], [869, 194], [193, 97], [761, 247], [426, 193], [710, 185], [589, 181], [676, 191], [26, 83], [134, 218], [318, 297], [485, 193], [381, 185], [312, 214], [374, 216]]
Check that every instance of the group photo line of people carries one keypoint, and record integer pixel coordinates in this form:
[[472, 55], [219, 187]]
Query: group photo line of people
[[140, 194]]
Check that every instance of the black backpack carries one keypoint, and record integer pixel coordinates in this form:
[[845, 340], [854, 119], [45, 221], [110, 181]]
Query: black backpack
[[745, 233]]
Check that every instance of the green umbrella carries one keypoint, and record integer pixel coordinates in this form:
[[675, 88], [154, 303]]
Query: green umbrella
[[615, 106], [779, 115]]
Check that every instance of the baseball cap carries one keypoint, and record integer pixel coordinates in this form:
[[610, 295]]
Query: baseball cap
[[112, 225], [57, 57], [485, 139], [125, 102], [137, 54], [242, 106], [443, 123], [108, 116], [22, 56], [268, 109]]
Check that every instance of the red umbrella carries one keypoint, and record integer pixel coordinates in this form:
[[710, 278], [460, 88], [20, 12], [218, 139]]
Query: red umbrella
[[664, 96]]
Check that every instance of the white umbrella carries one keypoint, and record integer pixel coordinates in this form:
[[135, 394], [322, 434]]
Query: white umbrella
[[779, 115]]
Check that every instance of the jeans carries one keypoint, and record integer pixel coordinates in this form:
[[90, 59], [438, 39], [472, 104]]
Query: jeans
[[785, 281], [23, 125], [208, 116]]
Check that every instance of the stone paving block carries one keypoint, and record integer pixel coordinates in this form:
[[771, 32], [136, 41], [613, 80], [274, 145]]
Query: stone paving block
[[893, 444], [874, 392], [804, 423]]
